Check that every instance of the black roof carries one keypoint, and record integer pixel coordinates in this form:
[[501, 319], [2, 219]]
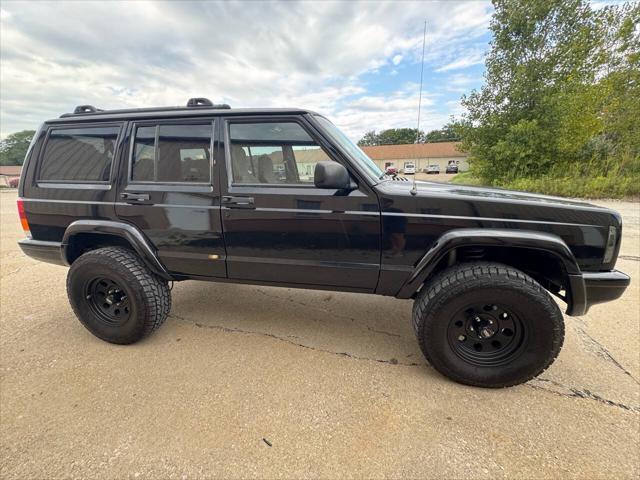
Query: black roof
[[195, 108], [172, 112]]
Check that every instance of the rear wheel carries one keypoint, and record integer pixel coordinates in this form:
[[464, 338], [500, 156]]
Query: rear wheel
[[487, 324], [115, 296]]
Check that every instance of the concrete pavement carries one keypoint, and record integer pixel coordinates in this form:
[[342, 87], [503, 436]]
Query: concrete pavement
[[334, 382]]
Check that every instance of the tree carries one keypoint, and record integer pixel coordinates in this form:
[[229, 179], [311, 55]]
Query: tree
[[446, 134], [370, 138], [399, 136], [560, 81], [391, 136], [14, 148]]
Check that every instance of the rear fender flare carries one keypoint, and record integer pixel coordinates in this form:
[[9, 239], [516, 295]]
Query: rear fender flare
[[131, 234]]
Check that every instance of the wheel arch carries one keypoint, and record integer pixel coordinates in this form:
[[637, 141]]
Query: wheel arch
[[83, 235], [544, 256]]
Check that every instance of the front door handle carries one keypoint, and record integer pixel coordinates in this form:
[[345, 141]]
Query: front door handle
[[135, 197], [238, 202]]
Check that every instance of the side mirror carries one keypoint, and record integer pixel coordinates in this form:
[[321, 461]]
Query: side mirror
[[332, 175]]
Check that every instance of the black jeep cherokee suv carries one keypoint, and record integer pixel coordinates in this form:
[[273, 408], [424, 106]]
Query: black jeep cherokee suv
[[134, 199]]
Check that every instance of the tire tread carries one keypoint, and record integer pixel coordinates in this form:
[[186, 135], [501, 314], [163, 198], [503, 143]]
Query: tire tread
[[431, 298], [154, 290]]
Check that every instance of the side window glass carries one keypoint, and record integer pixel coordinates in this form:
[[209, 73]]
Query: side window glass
[[172, 153], [273, 153], [306, 158], [79, 154], [144, 153], [183, 153]]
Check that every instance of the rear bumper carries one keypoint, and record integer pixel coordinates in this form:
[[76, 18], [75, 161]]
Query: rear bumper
[[590, 288], [49, 252]]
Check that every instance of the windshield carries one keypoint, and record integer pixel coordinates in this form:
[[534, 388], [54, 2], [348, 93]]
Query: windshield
[[353, 150]]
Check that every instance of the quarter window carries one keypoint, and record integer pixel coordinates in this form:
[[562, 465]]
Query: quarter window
[[172, 153], [79, 154], [273, 153], [144, 153]]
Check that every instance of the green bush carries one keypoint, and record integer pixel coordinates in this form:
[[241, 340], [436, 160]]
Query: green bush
[[609, 186], [588, 187], [466, 178]]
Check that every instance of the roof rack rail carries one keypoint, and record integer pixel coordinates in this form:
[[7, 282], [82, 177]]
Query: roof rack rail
[[195, 103], [205, 102], [86, 109]]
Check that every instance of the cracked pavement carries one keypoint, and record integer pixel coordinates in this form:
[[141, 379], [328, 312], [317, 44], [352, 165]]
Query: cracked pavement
[[246, 381]]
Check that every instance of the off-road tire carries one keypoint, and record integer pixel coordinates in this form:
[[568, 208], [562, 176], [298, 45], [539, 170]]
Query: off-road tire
[[148, 297], [445, 296]]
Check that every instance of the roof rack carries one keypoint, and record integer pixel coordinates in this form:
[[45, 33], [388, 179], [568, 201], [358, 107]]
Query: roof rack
[[86, 109], [196, 102], [205, 102]]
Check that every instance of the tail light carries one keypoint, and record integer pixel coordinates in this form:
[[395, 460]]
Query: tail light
[[23, 218]]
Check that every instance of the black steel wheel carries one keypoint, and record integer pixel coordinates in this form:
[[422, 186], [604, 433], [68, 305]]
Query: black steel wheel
[[108, 301], [486, 334], [487, 324], [115, 296]]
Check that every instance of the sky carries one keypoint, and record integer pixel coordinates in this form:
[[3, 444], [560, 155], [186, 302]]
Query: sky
[[356, 63]]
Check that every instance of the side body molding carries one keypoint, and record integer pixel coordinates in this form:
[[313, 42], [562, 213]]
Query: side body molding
[[452, 239], [131, 234]]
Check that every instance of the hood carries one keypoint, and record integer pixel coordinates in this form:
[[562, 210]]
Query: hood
[[470, 201]]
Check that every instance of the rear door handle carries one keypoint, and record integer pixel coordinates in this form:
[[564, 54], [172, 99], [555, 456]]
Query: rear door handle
[[238, 202], [135, 197]]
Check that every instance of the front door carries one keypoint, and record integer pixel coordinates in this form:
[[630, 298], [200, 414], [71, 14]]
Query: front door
[[169, 190], [280, 228]]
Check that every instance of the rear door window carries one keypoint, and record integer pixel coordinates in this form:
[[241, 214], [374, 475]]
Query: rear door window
[[79, 154], [169, 153]]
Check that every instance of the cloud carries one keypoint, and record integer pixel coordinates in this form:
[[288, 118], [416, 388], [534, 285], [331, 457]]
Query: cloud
[[398, 109], [468, 60], [460, 83], [56, 55], [455, 108]]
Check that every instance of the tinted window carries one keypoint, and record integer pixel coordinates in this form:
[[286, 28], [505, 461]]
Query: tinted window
[[144, 152], [79, 154], [172, 153], [273, 153]]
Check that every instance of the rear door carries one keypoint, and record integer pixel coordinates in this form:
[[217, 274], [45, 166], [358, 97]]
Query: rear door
[[278, 226], [169, 189]]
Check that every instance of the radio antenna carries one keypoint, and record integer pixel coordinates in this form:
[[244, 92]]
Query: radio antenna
[[414, 189]]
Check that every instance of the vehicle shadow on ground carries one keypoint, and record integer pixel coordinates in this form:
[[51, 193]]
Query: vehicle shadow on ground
[[354, 325]]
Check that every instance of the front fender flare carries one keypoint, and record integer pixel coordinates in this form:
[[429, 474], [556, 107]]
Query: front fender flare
[[456, 238], [131, 234]]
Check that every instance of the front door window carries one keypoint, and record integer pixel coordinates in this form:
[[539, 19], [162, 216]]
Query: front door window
[[273, 153]]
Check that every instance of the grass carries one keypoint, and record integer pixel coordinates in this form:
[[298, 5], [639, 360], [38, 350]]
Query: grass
[[610, 186], [467, 178]]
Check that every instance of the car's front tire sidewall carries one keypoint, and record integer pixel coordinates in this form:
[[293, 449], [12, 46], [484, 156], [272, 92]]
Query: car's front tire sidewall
[[526, 360], [539, 315]]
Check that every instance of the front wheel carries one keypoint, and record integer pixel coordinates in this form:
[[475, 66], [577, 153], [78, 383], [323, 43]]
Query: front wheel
[[488, 325]]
